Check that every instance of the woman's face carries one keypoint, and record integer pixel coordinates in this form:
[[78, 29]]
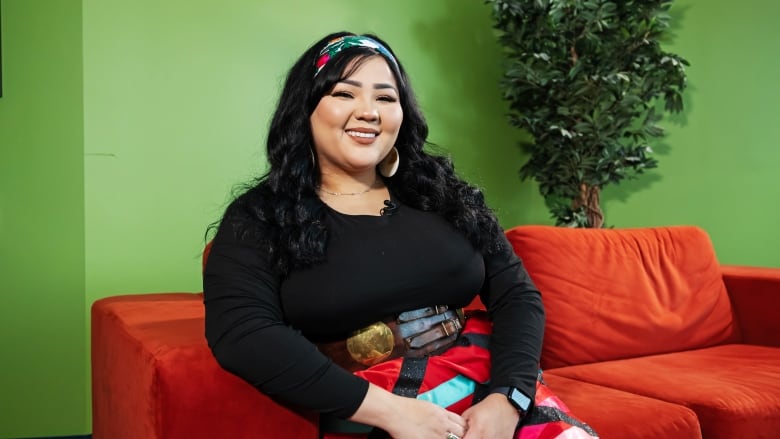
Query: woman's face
[[355, 125]]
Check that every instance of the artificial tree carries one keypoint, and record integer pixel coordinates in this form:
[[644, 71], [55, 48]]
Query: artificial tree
[[584, 78]]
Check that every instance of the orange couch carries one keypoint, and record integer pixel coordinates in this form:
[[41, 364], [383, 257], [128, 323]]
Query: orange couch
[[651, 313], [647, 337]]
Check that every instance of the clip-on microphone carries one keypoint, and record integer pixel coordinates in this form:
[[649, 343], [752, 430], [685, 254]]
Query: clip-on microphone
[[389, 209]]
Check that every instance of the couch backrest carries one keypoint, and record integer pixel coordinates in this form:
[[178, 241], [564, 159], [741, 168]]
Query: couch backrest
[[612, 294]]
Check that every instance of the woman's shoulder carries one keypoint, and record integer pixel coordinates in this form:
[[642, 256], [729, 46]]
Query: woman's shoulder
[[246, 217], [251, 203]]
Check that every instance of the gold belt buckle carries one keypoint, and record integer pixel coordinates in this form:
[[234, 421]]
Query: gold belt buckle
[[372, 344]]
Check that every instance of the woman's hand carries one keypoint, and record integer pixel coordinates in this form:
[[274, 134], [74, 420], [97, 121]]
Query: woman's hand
[[407, 418], [425, 420], [492, 418]]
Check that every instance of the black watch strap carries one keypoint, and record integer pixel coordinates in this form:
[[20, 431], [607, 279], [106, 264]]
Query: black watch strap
[[518, 399]]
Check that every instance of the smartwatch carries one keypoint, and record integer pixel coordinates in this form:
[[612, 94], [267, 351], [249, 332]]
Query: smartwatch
[[518, 399]]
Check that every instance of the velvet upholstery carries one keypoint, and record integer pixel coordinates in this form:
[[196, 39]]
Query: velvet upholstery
[[612, 294], [651, 312], [617, 414], [153, 377], [647, 337], [755, 297], [733, 389]]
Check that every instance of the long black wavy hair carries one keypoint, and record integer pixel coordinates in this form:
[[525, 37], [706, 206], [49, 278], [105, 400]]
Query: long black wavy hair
[[280, 211]]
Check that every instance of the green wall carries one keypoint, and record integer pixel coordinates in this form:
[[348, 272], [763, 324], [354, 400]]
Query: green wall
[[42, 372], [718, 166], [113, 197], [177, 100]]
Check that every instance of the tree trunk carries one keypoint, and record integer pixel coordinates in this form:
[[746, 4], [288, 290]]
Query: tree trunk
[[589, 200]]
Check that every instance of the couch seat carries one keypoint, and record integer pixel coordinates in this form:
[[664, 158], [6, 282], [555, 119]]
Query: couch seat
[[617, 414], [733, 389]]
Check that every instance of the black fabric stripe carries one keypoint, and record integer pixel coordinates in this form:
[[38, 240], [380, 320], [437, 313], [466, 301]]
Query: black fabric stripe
[[378, 433], [410, 379], [471, 339], [330, 424]]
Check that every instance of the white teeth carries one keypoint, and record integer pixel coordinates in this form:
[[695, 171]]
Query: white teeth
[[361, 134]]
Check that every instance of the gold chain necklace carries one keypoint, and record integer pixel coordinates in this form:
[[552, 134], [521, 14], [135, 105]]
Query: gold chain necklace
[[338, 194]]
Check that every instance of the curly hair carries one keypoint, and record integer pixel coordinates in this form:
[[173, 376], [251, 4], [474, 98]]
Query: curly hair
[[280, 211]]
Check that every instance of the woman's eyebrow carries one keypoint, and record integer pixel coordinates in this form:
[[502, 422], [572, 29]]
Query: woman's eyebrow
[[379, 85]]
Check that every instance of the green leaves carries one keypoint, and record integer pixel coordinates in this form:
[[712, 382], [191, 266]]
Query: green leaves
[[583, 78]]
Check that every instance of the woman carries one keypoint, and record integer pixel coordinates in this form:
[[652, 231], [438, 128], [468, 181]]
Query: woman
[[353, 225]]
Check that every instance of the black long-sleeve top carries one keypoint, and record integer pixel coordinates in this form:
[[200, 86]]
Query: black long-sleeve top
[[262, 327]]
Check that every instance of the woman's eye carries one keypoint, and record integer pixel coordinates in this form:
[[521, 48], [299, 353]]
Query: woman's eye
[[387, 98], [341, 94]]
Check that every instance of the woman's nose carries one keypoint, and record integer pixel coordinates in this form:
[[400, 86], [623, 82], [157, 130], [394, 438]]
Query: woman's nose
[[367, 112]]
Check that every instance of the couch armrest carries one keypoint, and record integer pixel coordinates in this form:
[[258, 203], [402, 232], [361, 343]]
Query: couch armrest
[[755, 296], [153, 377]]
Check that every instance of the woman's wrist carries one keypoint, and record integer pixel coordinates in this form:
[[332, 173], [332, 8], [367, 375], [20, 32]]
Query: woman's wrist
[[507, 409], [378, 409]]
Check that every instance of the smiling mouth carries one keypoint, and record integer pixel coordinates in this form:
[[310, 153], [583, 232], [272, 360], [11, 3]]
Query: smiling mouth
[[361, 134]]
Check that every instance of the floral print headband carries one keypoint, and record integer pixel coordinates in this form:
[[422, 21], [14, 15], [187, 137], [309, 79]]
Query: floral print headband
[[336, 45]]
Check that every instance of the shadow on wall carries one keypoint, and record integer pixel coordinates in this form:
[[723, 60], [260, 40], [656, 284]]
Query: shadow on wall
[[678, 14], [467, 113], [661, 147]]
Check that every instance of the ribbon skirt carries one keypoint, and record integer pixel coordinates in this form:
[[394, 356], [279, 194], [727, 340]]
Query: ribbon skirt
[[453, 380]]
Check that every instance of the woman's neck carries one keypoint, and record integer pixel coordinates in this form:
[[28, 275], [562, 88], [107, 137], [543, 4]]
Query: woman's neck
[[354, 196], [348, 189], [335, 184]]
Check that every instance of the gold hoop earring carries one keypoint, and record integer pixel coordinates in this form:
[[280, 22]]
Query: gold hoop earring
[[389, 165], [313, 160]]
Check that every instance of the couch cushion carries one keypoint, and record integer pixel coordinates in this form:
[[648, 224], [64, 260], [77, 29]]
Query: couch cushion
[[612, 294], [617, 414], [734, 389]]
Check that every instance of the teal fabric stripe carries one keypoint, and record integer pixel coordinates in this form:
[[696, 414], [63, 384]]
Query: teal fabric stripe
[[443, 395], [449, 392]]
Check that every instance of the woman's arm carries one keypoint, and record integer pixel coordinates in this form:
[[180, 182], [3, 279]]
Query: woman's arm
[[246, 331], [514, 305]]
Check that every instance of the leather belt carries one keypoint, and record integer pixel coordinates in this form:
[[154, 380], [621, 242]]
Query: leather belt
[[417, 333]]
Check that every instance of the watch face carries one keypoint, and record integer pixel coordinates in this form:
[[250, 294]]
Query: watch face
[[519, 399]]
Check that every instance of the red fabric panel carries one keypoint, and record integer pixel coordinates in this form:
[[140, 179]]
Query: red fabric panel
[[475, 305], [617, 414], [471, 361], [755, 296], [612, 294], [154, 377], [734, 389]]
